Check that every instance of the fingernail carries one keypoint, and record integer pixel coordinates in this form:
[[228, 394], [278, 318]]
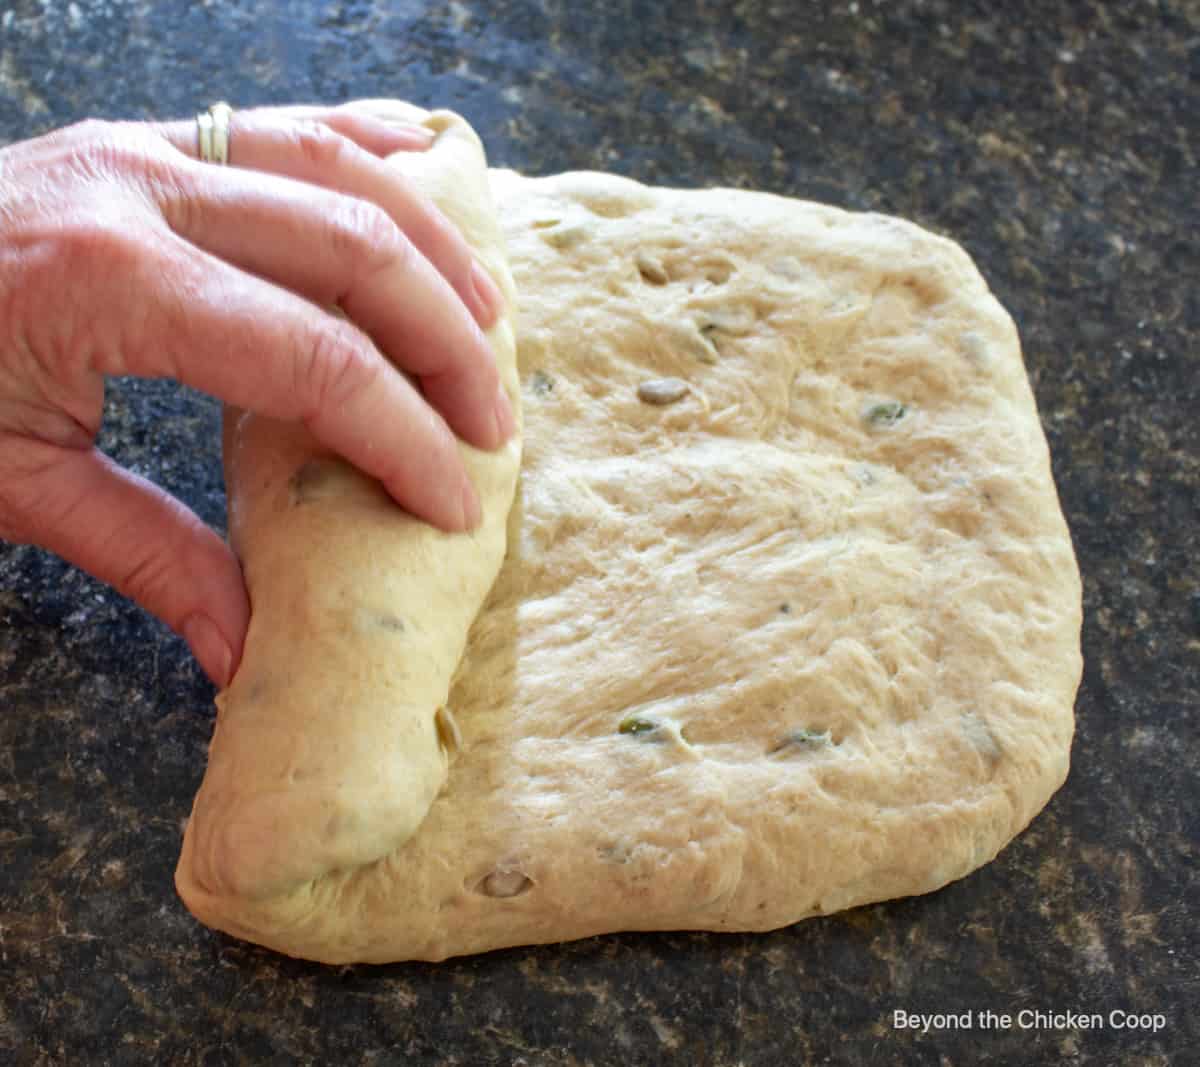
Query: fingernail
[[470, 506], [488, 300], [422, 135], [503, 417], [209, 648]]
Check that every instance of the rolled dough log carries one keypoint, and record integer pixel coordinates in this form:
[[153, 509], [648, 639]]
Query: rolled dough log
[[331, 741]]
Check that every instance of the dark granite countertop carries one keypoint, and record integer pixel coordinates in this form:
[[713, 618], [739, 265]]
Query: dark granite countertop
[[1057, 143]]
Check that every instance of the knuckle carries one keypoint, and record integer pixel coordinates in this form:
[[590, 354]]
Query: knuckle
[[99, 267], [88, 250], [334, 366], [146, 578], [319, 146], [110, 149], [114, 168], [70, 258], [364, 235], [85, 131]]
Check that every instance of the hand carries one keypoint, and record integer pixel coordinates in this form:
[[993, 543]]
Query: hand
[[120, 253]]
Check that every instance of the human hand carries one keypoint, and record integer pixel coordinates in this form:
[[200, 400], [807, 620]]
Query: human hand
[[121, 253]]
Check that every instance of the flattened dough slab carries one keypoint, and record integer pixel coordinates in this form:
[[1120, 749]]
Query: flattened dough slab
[[789, 619]]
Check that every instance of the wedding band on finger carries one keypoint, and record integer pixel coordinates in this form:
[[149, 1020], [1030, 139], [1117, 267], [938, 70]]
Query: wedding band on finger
[[212, 133]]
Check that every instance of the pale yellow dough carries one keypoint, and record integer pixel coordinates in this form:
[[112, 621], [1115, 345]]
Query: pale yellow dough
[[331, 741], [796, 632]]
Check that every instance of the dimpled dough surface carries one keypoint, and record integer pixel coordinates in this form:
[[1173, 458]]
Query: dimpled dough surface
[[789, 619]]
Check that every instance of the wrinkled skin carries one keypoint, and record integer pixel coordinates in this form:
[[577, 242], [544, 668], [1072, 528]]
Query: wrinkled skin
[[121, 253]]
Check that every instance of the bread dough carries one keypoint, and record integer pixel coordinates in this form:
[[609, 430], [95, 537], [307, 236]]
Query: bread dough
[[789, 619], [331, 741]]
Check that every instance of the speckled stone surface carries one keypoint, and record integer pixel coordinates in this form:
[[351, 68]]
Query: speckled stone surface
[[1057, 143]]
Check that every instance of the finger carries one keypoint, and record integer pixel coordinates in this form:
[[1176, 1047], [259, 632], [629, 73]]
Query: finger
[[378, 136], [354, 256], [333, 149], [130, 534], [261, 347], [370, 133]]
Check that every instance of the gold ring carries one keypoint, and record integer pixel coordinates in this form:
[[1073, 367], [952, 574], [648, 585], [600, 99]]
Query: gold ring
[[212, 133]]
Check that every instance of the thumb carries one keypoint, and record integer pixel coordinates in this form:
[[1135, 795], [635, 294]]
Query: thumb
[[129, 533]]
